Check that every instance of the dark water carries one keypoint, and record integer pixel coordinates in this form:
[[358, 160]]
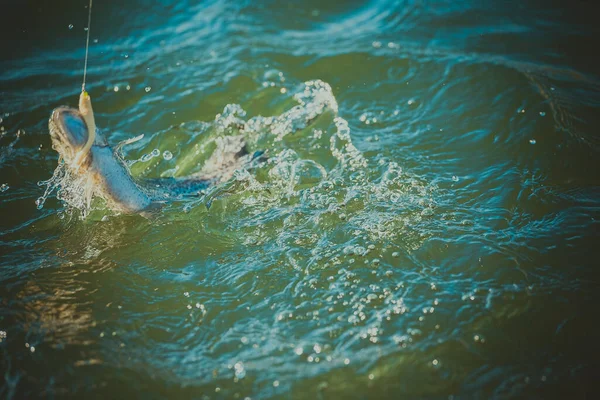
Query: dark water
[[425, 226]]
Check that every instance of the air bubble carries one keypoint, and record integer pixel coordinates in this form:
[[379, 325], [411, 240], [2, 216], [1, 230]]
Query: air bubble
[[151, 155], [167, 155], [148, 88], [70, 26]]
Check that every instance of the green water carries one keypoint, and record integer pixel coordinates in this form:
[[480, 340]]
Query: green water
[[424, 225]]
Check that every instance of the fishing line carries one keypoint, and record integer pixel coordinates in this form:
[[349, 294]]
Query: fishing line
[[87, 46], [85, 105]]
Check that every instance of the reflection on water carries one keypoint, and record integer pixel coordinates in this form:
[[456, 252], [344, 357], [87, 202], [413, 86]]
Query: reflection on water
[[420, 221]]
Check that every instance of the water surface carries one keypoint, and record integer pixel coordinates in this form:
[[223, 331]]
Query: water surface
[[424, 225]]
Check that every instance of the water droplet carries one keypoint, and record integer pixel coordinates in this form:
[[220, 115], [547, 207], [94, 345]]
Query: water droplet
[[455, 178], [147, 89], [116, 88], [4, 187], [376, 44], [240, 371], [298, 350], [542, 114], [532, 141], [70, 26], [155, 153], [346, 361], [275, 383], [167, 155]]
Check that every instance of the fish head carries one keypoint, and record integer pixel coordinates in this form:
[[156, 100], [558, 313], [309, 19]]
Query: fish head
[[69, 132]]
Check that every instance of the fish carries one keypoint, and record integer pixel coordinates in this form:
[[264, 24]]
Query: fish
[[88, 154]]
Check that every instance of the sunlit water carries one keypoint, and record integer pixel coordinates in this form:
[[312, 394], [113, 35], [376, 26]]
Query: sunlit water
[[422, 225]]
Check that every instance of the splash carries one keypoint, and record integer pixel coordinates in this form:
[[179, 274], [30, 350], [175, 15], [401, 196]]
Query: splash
[[314, 165], [7, 151], [76, 191], [310, 160]]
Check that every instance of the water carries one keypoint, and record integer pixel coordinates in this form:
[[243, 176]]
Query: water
[[424, 225]]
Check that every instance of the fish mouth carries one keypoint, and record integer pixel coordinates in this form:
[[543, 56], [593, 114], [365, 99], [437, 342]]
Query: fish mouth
[[68, 131]]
